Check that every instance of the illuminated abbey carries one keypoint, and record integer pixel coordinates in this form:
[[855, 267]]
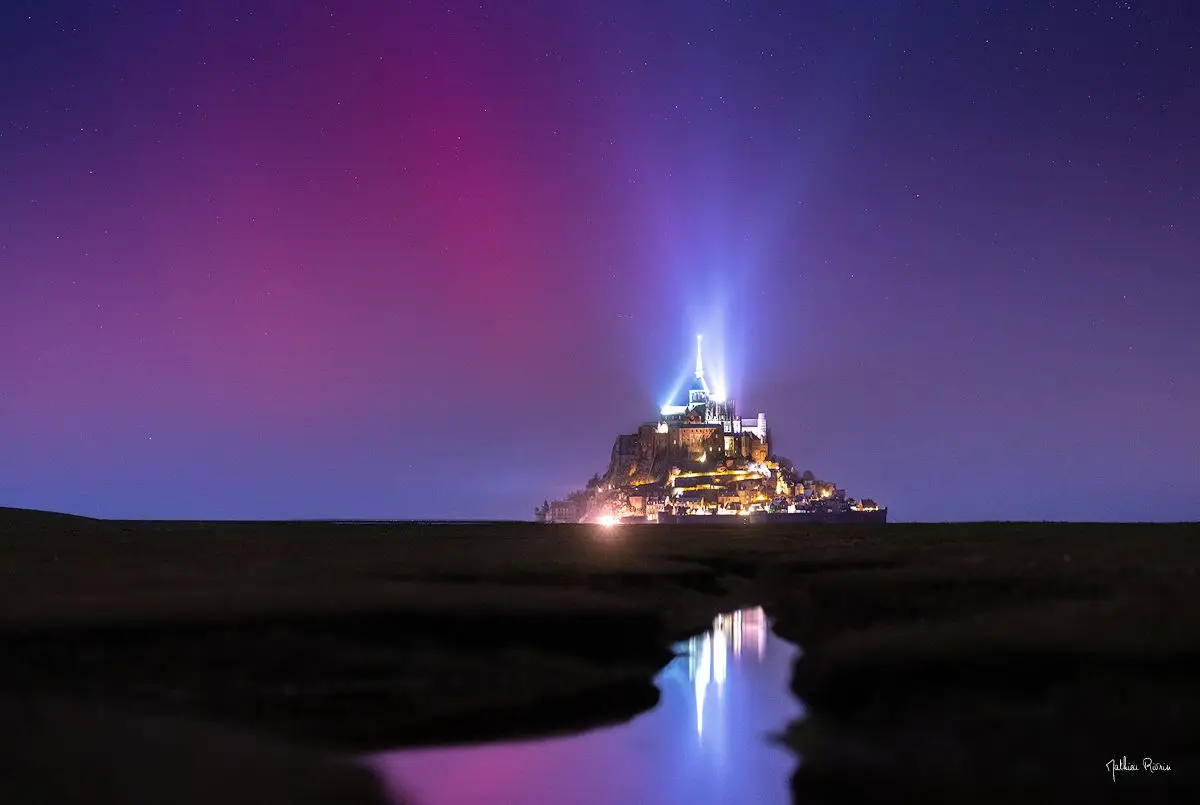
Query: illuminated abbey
[[698, 457], [706, 423]]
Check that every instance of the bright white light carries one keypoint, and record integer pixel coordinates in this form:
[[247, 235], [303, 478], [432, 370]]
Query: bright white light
[[607, 520], [703, 675], [720, 656]]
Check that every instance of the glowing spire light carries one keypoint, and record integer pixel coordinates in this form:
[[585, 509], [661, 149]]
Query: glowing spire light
[[700, 364]]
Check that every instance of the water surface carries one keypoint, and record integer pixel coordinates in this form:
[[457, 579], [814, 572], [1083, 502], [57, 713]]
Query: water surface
[[705, 742]]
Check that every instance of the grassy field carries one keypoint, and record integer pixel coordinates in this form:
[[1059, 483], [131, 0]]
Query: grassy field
[[949, 662]]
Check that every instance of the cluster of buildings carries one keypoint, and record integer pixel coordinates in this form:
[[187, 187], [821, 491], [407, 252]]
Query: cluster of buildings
[[699, 457]]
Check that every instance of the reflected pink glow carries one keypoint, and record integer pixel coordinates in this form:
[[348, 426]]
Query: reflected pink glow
[[697, 746]]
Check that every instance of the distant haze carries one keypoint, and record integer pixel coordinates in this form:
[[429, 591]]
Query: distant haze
[[370, 259]]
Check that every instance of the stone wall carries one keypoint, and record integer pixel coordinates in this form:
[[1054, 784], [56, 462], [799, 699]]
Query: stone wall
[[753, 447], [697, 440]]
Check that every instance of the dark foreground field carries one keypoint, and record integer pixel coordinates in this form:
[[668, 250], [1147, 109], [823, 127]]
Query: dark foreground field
[[955, 663]]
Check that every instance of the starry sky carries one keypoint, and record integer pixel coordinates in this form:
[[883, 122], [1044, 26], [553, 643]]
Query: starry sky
[[269, 259]]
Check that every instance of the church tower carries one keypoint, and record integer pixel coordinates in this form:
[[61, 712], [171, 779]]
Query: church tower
[[698, 393]]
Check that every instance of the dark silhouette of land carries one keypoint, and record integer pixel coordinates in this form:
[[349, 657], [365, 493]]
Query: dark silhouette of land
[[955, 662]]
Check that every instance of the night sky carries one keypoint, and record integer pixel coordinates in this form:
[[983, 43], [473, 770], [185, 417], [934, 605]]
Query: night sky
[[385, 259]]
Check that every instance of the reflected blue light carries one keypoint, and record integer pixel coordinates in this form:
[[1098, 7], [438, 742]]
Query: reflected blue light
[[708, 654], [705, 742]]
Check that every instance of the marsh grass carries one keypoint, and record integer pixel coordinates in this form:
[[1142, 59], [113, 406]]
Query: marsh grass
[[930, 651]]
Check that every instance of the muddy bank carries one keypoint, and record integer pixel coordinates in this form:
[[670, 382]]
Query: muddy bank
[[942, 661], [352, 638], [999, 661], [71, 753], [350, 685]]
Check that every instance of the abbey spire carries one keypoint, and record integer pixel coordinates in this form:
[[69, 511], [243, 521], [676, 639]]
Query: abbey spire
[[700, 365]]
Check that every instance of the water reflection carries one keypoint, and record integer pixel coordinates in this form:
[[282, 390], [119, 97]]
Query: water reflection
[[705, 742], [708, 654]]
